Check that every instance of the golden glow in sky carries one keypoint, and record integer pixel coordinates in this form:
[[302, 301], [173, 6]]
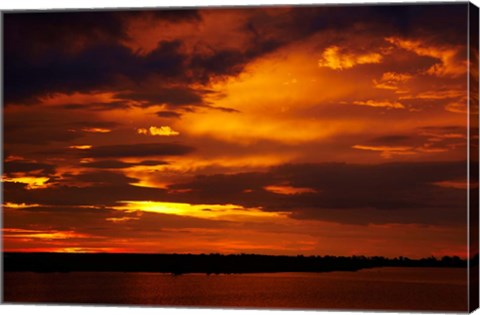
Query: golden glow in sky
[[228, 211]]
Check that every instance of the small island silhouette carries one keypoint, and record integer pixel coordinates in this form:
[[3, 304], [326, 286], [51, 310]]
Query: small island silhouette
[[178, 264]]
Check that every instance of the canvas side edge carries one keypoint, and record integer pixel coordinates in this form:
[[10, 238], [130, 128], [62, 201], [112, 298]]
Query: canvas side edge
[[473, 157]]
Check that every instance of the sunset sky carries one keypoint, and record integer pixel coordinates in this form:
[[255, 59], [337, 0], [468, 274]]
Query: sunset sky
[[276, 130]]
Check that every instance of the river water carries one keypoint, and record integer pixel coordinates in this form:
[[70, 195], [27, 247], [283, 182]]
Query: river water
[[437, 289]]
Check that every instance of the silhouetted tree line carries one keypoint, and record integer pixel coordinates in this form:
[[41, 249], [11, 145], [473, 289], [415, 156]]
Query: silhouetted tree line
[[212, 263]]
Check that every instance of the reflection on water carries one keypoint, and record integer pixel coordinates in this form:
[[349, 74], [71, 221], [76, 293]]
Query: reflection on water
[[378, 288]]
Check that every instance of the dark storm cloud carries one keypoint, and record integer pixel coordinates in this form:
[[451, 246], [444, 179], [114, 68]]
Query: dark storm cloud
[[138, 150], [168, 114], [81, 51], [402, 20], [27, 166], [37, 133], [392, 140], [421, 20], [97, 106], [109, 65], [97, 67], [114, 164], [37, 32], [223, 109], [97, 194], [385, 193], [150, 163], [408, 62], [220, 188], [93, 221], [345, 193], [115, 67], [77, 51], [223, 62], [102, 178], [45, 125], [383, 186], [172, 96], [93, 123], [445, 130], [72, 210]]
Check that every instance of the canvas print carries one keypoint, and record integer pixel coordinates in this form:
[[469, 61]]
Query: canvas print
[[320, 157]]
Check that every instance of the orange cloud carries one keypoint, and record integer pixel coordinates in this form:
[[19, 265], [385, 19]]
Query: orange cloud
[[81, 147], [269, 109], [436, 135], [40, 234], [79, 98], [387, 151], [450, 64], [122, 219], [373, 103], [97, 130], [288, 190], [19, 205], [31, 181], [458, 184], [459, 107], [432, 145], [435, 95], [334, 58], [11, 158], [59, 248], [82, 250], [391, 80], [428, 149], [147, 176], [165, 131]]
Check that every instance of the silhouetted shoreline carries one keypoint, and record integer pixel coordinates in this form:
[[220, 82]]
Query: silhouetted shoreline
[[177, 264]]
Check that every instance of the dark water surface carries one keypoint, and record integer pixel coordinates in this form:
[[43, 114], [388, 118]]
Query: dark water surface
[[378, 288]]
